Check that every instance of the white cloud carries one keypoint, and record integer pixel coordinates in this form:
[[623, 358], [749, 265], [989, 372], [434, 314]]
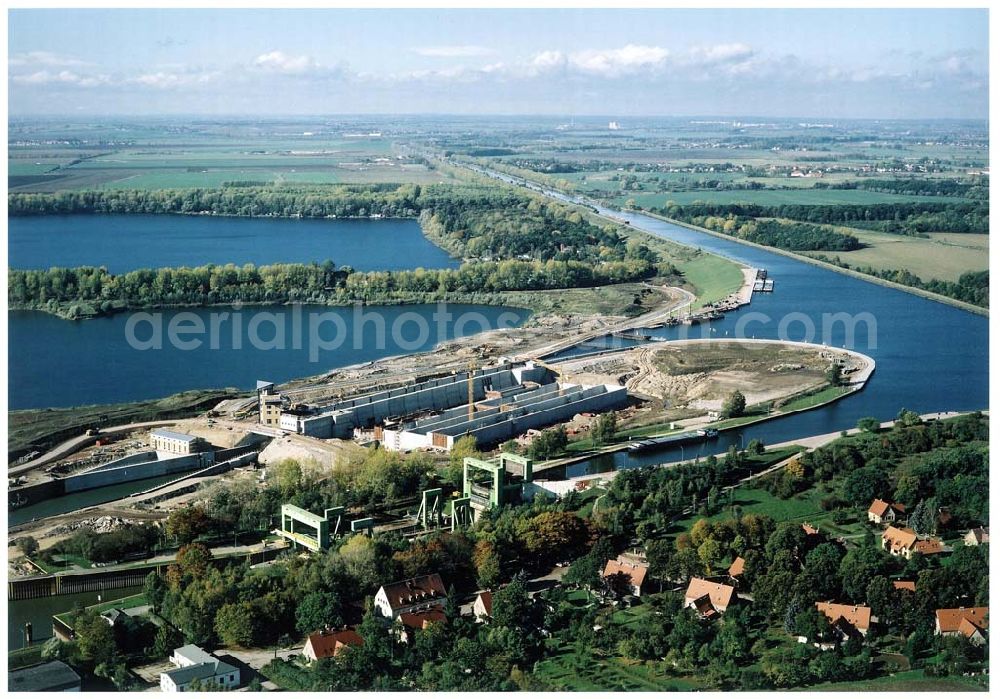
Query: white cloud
[[62, 77], [281, 62], [454, 51], [45, 58], [612, 62], [166, 80]]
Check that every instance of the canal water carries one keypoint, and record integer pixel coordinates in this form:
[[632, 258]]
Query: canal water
[[39, 612], [85, 498], [930, 357], [56, 363], [124, 242]]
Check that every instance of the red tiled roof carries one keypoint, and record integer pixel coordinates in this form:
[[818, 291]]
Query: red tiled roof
[[950, 620], [929, 546], [878, 508], [326, 644], [414, 591], [858, 617], [900, 538], [809, 529], [421, 619], [905, 585], [738, 566], [487, 597], [720, 596], [636, 572]]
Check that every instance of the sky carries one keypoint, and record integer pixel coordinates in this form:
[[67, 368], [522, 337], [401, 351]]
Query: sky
[[842, 63]]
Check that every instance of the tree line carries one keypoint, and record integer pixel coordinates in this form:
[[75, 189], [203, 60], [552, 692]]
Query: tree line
[[512, 241], [778, 234], [902, 218]]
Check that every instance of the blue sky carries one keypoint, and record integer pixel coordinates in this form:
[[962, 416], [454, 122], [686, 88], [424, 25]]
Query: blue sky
[[822, 63]]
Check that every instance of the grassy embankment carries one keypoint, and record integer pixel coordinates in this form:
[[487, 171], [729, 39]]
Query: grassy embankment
[[827, 265]]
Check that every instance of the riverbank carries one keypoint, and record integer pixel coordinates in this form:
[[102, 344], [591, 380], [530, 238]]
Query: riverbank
[[828, 265], [806, 401]]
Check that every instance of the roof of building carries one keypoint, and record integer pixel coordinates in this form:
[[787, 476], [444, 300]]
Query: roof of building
[[486, 597], [980, 534], [905, 585], [950, 620], [52, 676], [718, 594], [263, 384], [421, 619], [326, 644], [635, 571], [880, 507], [406, 593], [809, 529], [900, 538], [858, 617], [171, 434], [203, 665], [738, 567], [929, 546]]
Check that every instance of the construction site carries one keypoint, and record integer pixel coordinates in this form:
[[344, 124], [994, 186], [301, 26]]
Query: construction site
[[491, 404]]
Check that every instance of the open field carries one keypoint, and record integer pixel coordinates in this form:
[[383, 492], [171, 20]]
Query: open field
[[773, 197], [909, 681], [944, 256]]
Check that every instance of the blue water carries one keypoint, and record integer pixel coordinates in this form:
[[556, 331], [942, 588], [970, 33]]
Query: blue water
[[930, 357], [57, 363], [125, 242]]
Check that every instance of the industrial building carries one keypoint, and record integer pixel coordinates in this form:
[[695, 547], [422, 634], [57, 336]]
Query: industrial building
[[169, 442], [271, 403], [492, 404]]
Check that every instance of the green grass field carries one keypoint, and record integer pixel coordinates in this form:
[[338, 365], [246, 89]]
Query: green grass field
[[802, 507], [713, 278], [773, 197], [909, 681], [569, 670], [944, 256]]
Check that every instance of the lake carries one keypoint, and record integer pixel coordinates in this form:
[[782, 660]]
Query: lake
[[125, 242], [60, 363]]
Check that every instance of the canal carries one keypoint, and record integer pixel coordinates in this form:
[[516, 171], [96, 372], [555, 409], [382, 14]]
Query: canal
[[38, 612], [930, 356]]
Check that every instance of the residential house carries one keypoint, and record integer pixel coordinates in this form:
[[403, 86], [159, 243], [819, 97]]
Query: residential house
[[418, 620], [737, 568], [410, 595], [970, 622], [810, 530], [709, 599], [632, 573], [881, 512], [908, 585], [977, 536], [328, 644], [899, 542], [194, 665], [930, 547], [847, 619], [482, 608]]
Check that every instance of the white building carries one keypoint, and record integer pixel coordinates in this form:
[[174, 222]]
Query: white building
[[170, 442], [415, 594], [195, 665]]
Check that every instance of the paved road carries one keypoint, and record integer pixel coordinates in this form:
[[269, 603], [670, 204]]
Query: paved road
[[71, 446]]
